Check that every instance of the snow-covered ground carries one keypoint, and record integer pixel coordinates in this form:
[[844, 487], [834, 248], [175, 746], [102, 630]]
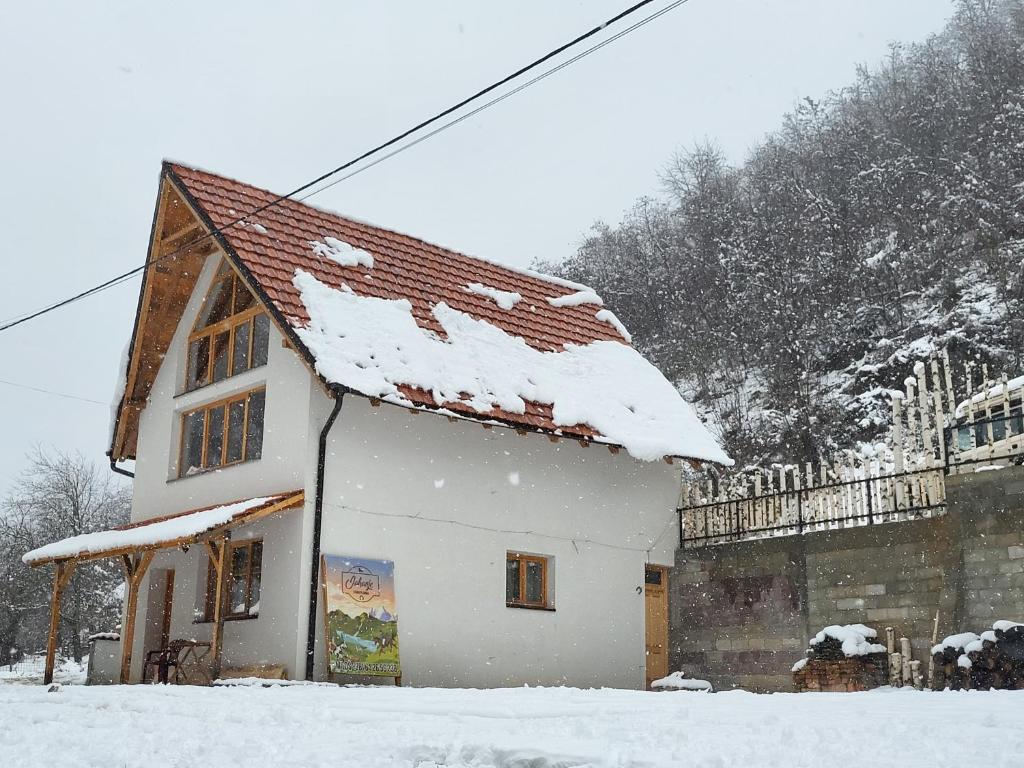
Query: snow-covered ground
[[523, 727], [29, 671]]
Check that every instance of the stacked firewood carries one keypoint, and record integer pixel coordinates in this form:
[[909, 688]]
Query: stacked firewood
[[841, 658], [994, 659]]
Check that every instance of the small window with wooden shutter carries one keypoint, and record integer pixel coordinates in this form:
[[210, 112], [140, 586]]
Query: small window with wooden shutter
[[528, 581]]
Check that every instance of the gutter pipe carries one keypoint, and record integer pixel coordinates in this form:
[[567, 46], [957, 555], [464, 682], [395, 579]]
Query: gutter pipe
[[318, 514], [117, 469]]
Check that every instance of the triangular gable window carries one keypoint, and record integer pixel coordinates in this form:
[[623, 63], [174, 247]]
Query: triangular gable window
[[231, 334]]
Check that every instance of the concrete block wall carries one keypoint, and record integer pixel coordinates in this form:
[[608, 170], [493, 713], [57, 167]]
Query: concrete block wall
[[736, 618], [990, 507], [740, 614]]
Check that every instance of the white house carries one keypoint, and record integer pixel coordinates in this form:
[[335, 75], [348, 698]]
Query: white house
[[301, 385]]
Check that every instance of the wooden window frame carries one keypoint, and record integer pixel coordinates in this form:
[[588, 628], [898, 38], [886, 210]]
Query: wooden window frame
[[225, 403], [228, 325], [211, 582], [545, 603]]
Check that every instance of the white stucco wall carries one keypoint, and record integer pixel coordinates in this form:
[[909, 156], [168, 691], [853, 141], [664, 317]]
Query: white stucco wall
[[284, 466], [269, 638], [595, 513], [158, 490]]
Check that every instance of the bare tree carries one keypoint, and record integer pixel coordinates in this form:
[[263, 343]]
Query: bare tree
[[22, 590], [60, 495]]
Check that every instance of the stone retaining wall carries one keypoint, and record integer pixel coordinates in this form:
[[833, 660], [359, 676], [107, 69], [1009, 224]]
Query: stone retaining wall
[[740, 614]]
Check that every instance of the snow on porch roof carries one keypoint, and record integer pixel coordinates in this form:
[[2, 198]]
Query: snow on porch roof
[[311, 265], [162, 532]]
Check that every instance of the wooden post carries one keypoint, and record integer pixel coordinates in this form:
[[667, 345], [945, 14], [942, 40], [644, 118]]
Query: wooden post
[[134, 570], [916, 676], [926, 420], [890, 647], [941, 420], [931, 656], [896, 669], [897, 449], [60, 580], [913, 426], [905, 658], [218, 556]]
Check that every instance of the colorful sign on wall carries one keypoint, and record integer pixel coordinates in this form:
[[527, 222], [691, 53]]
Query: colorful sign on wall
[[360, 616]]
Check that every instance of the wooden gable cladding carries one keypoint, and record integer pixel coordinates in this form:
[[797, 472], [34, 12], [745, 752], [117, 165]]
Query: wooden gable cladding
[[179, 246]]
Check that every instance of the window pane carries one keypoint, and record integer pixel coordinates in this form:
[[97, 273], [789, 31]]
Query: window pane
[[220, 356], [217, 305], [243, 299], [239, 579], [257, 573], [254, 429], [236, 422], [215, 436], [198, 360], [512, 581], [534, 582], [998, 429], [260, 340], [192, 443], [240, 361]]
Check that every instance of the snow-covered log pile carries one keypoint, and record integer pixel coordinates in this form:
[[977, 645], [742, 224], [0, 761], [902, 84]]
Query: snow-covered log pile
[[842, 658], [993, 659]]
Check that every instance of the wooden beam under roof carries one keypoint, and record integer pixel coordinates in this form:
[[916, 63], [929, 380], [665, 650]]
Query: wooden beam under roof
[[290, 501], [168, 283]]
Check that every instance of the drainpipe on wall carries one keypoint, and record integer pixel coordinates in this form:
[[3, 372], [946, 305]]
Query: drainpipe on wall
[[117, 469], [318, 514]]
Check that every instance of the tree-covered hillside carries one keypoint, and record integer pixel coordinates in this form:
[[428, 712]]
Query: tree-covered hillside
[[788, 294]]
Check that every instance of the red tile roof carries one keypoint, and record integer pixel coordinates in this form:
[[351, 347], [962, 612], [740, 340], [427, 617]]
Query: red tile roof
[[404, 268]]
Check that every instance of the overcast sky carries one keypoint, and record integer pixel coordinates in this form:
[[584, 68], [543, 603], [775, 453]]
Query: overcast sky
[[95, 95]]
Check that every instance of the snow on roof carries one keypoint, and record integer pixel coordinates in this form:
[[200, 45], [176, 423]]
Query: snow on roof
[[854, 639], [341, 252], [504, 299], [586, 296], [607, 316], [119, 387], [149, 533], [433, 280], [375, 346], [988, 394]]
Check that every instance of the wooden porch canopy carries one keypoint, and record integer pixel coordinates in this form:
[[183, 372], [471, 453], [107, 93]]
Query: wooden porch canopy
[[136, 543]]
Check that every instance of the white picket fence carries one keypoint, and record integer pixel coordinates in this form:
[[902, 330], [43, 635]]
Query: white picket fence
[[934, 432]]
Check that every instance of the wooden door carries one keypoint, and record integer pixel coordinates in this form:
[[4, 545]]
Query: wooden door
[[656, 600], [165, 621]]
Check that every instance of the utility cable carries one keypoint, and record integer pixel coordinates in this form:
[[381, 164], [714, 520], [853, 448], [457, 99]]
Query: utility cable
[[381, 147]]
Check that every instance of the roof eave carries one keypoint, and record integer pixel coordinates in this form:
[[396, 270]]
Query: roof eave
[[253, 284]]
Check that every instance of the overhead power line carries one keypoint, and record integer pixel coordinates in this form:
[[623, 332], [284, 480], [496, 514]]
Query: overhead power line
[[52, 392], [387, 145]]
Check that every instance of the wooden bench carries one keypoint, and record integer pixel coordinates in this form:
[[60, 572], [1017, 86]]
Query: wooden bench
[[263, 671]]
